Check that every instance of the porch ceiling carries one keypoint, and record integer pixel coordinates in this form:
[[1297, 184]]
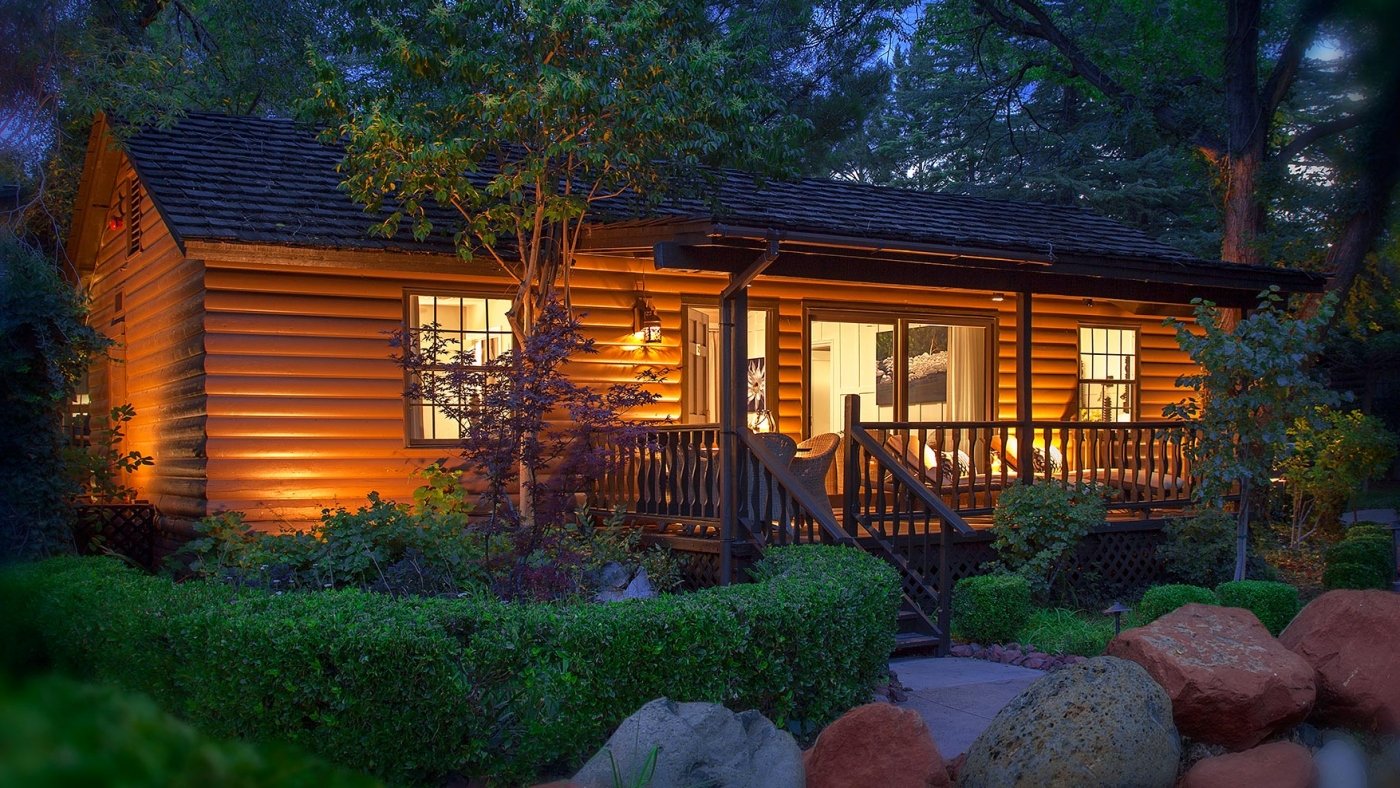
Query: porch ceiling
[[728, 249]]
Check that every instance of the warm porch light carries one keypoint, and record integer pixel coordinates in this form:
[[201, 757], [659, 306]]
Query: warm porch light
[[998, 297], [645, 321]]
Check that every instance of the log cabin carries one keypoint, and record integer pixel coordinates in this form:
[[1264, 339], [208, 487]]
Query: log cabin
[[932, 332]]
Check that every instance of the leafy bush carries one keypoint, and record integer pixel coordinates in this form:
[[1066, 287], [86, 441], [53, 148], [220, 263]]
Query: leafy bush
[[45, 347], [1200, 550], [1334, 453], [1061, 631], [1038, 526], [1275, 604], [476, 685], [99, 469], [1367, 550], [1371, 530], [57, 732], [990, 608], [1351, 575], [1158, 601]]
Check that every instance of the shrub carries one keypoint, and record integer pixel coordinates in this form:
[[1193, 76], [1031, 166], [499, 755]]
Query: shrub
[[1275, 604], [1038, 526], [1366, 550], [1200, 550], [1158, 601], [1334, 453], [991, 608], [57, 732], [1351, 575], [1371, 530], [1061, 631], [478, 686]]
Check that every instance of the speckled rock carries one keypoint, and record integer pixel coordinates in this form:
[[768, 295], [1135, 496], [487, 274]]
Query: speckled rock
[[1230, 682], [1102, 722], [1280, 764]]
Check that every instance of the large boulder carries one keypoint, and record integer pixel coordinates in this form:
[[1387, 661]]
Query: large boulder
[[696, 744], [876, 744], [1281, 764], [1351, 638], [1231, 683], [1102, 722]]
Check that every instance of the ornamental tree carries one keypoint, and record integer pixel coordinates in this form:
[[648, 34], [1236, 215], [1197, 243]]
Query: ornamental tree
[[514, 121], [1256, 381]]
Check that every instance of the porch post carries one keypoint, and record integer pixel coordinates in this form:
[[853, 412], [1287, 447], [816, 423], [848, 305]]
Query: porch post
[[1025, 437], [733, 372], [733, 383]]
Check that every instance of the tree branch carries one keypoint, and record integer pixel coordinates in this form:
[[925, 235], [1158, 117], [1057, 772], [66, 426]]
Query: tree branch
[[1305, 138], [1291, 57]]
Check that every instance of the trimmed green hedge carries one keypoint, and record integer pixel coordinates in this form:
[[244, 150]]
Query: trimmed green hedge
[[1362, 560], [1158, 601], [412, 689], [990, 608], [1275, 604], [57, 732]]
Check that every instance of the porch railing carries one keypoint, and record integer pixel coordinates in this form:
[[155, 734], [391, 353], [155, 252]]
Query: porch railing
[[669, 470], [1144, 464]]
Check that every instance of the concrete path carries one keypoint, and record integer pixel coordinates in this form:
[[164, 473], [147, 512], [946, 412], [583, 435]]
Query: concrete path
[[958, 697], [1382, 516]]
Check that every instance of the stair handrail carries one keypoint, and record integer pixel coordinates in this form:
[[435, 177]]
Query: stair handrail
[[896, 468], [791, 485]]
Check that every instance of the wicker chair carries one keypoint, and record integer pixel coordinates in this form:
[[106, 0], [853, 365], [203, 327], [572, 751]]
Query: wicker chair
[[783, 448], [813, 462]]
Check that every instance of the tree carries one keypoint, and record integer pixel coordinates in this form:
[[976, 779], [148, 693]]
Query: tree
[[1260, 98], [522, 119], [1256, 383]]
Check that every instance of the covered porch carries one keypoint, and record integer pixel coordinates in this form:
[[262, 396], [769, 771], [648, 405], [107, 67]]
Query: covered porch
[[922, 457]]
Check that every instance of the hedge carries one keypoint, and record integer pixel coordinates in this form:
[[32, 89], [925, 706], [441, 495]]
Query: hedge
[[990, 608], [1275, 604], [415, 688], [1360, 561], [1158, 601], [57, 732]]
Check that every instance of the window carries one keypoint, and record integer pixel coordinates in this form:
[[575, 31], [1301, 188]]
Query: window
[[1107, 374], [457, 324]]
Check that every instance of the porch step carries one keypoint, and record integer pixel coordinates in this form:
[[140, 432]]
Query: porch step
[[906, 643]]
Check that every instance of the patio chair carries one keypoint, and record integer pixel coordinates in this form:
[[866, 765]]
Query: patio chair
[[763, 497], [813, 462]]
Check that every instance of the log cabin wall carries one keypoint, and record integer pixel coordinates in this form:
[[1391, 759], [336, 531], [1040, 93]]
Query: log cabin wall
[[305, 406], [149, 298]]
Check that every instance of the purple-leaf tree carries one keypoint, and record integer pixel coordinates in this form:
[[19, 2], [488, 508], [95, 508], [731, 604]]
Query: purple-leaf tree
[[525, 424]]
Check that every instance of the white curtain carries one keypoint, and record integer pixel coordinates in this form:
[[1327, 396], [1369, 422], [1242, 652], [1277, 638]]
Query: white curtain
[[967, 373]]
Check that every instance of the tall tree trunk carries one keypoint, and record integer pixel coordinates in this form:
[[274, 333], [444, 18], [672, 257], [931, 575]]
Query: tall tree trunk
[[1244, 211], [1244, 147]]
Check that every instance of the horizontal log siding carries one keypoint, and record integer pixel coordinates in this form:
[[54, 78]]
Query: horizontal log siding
[[160, 370], [305, 405]]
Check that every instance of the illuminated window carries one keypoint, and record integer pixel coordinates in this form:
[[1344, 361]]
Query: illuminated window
[[472, 327], [1107, 374]]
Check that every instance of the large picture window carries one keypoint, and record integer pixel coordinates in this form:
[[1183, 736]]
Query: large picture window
[[455, 323], [1107, 373]]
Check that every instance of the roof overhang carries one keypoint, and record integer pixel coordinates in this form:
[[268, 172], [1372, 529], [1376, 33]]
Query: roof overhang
[[700, 245]]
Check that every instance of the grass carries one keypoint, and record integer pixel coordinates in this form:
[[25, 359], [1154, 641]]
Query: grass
[[1061, 631]]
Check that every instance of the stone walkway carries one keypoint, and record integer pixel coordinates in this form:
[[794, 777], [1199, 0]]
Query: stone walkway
[[1382, 516], [958, 697]]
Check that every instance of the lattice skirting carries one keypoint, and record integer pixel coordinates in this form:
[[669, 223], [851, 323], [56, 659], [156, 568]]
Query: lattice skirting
[[128, 529]]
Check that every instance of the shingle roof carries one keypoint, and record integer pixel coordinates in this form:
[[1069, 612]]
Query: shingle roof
[[271, 181]]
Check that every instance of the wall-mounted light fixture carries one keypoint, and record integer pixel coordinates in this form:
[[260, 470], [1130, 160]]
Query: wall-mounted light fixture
[[998, 297], [645, 321]]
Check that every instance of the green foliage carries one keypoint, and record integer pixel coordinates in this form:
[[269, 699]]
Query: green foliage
[[56, 732], [1353, 575], [1061, 631], [1367, 531], [477, 686], [1333, 453], [1038, 526], [1362, 560], [1258, 382], [1158, 601], [1200, 549], [45, 347], [991, 608], [520, 118], [99, 470], [1275, 604], [615, 542]]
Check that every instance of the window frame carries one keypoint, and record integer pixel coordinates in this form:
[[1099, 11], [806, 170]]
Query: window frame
[[412, 419], [1134, 385]]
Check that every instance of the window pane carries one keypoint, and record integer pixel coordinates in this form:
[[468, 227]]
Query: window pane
[[464, 323], [1107, 371]]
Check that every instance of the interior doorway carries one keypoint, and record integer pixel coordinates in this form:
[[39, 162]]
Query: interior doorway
[[700, 367]]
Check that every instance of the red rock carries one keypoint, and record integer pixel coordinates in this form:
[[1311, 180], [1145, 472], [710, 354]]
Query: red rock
[[1281, 764], [1352, 639], [1231, 683], [875, 744]]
